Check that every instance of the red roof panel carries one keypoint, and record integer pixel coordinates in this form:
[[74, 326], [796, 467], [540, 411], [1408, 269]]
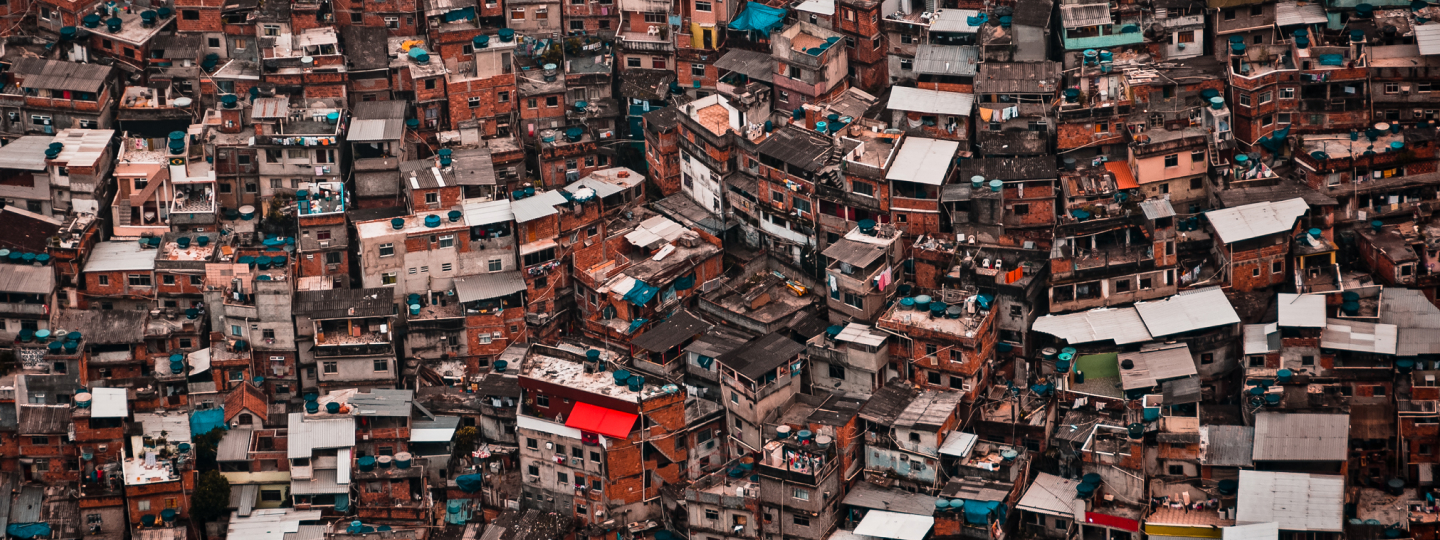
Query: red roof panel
[[607, 422]]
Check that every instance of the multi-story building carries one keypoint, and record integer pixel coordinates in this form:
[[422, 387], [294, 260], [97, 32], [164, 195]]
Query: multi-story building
[[350, 334]]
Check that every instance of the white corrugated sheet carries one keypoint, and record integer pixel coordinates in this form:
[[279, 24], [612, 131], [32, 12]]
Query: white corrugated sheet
[[859, 333], [1301, 437], [1427, 36], [1293, 501], [1301, 310], [342, 466], [923, 161], [1050, 494], [432, 434], [1189, 310], [270, 523], [485, 213], [959, 443], [1122, 325], [1295, 14], [117, 255], [540, 205], [1359, 336], [895, 526], [1256, 220], [1154, 365], [1254, 531], [309, 434], [109, 403], [903, 98]]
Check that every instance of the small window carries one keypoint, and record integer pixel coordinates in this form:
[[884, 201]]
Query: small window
[[474, 102], [802, 494], [387, 250], [1172, 160], [1307, 360], [187, 14]]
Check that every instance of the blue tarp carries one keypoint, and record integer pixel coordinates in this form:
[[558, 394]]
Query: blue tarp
[[203, 421], [977, 512], [460, 15], [28, 530], [758, 18], [684, 283], [1332, 60], [636, 324], [342, 502], [469, 483], [641, 294]]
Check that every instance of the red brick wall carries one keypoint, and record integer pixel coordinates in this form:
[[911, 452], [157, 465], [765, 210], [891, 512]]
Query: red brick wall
[[490, 107]]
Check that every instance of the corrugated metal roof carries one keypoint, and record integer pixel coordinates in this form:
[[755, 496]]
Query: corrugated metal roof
[[1082, 15], [487, 286], [27, 279], [1415, 317], [376, 130], [383, 402], [270, 107], [923, 161], [1253, 531], [539, 206], [1301, 310], [45, 74], [441, 429], [1186, 311], [321, 482], [25, 154], [109, 403], [1294, 501], [862, 334], [1300, 437], [345, 303], [1181, 391], [1157, 208], [310, 532], [958, 443], [1123, 326], [1050, 494], [920, 100], [1359, 336], [1017, 78], [488, 212], [270, 523], [1427, 37], [895, 526], [474, 167], [754, 64], [858, 254], [602, 189], [1256, 220], [676, 330], [959, 60], [117, 256], [761, 355], [27, 505], [954, 20], [1294, 14], [235, 446], [242, 498], [305, 435], [1227, 446], [929, 410], [867, 495], [1156, 364]]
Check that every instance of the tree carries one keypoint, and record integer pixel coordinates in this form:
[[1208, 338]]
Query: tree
[[464, 441], [206, 447], [211, 498]]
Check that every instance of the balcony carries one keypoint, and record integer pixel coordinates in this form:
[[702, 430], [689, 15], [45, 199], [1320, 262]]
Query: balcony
[[1088, 259], [647, 42]]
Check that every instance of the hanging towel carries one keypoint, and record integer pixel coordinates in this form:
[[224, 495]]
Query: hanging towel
[[1005, 113], [985, 113], [833, 286]]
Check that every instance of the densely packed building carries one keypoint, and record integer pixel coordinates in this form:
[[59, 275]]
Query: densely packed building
[[719, 270]]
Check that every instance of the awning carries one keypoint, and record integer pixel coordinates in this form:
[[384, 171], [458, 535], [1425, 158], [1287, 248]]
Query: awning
[[895, 526], [1124, 179], [1113, 522], [608, 422], [487, 286]]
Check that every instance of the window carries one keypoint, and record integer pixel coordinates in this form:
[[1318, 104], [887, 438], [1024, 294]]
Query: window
[[697, 70], [1245, 100], [387, 250], [542, 401], [1255, 272], [777, 196], [837, 371], [213, 43], [1283, 118], [862, 188], [517, 14], [552, 101], [533, 103], [702, 6], [447, 241], [1277, 267], [1307, 360], [562, 478], [103, 280], [237, 375], [1256, 11], [502, 97], [1229, 14], [906, 64], [629, 62], [40, 441], [1287, 93], [1172, 160], [712, 515], [138, 280], [446, 267], [1207, 358], [532, 444], [595, 458], [495, 265], [1266, 97], [1176, 470], [357, 18], [854, 300], [1267, 120], [1392, 88], [39, 120], [474, 102], [802, 494], [189, 15], [331, 368], [800, 521], [429, 84], [389, 278], [143, 506]]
